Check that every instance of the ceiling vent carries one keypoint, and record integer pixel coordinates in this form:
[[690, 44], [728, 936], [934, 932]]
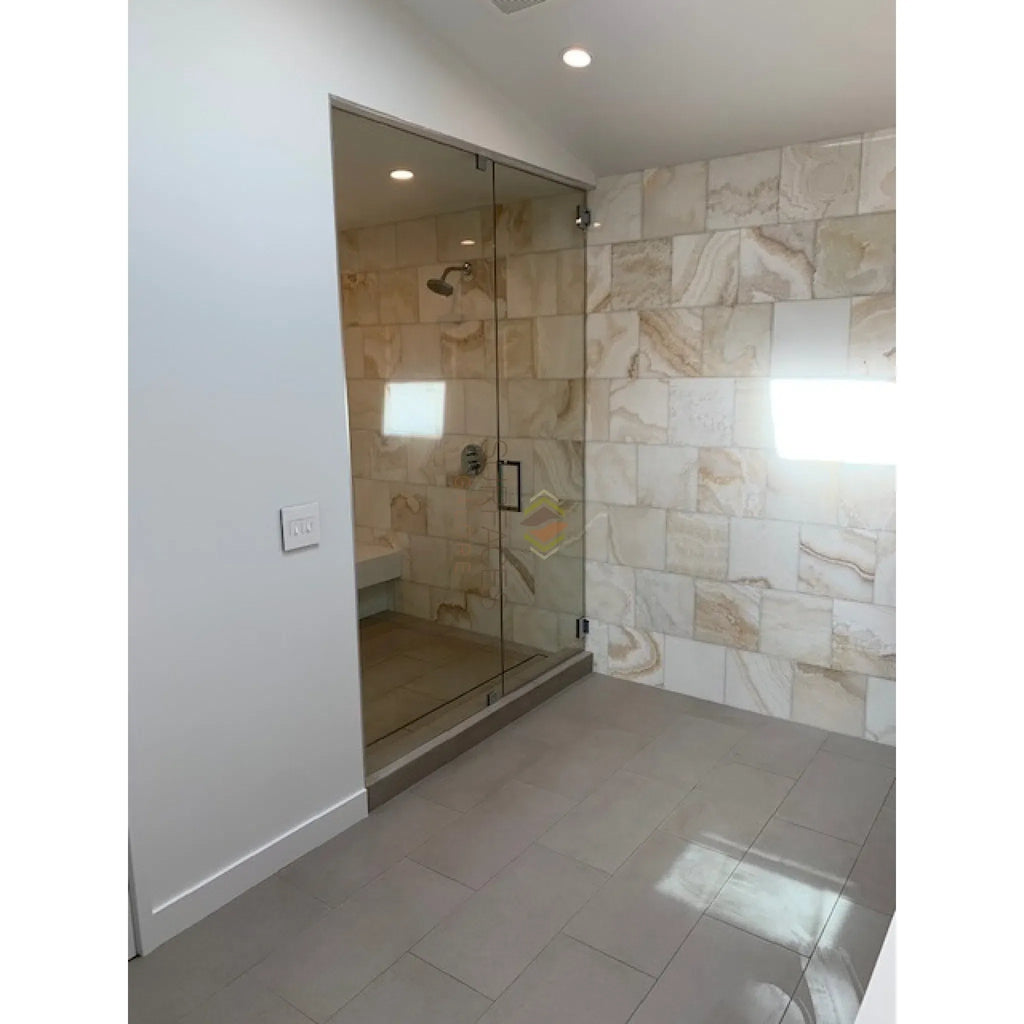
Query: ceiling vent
[[513, 6]]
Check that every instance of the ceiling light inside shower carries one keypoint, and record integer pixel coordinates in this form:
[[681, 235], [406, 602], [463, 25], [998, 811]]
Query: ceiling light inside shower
[[576, 57], [401, 174], [467, 241]]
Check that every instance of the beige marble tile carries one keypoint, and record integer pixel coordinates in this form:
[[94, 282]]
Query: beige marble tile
[[598, 409], [572, 280], [515, 348], [667, 476], [612, 344], [412, 598], [744, 190], [408, 508], [837, 563], [349, 258], [700, 411], [399, 296], [446, 512], [880, 712], [759, 682], [763, 553], [705, 269], [559, 346], [732, 481], [753, 426], [675, 199], [611, 473], [805, 492], [361, 443], [467, 351], [664, 602], [820, 179], [611, 593], [864, 638], [885, 570], [872, 350], [514, 224], [554, 221], [452, 228], [776, 262], [867, 497], [696, 669], [352, 348], [428, 559], [670, 342], [426, 460], [697, 545], [546, 408], [855, 255], [878, 172], [638, 411], [727, 614], [360, 299], [371, 500], [616, 208], [596, 520], [477, 292], [636, 655], [829, 699], [388, 458], [558, 469], [599, 278], [737, 340], [377, 246], [416, 242], [420, 352], [532, 284], [381, 351], [797, 626], [365, 404], [641, 274], [481, 409], [636, 537]]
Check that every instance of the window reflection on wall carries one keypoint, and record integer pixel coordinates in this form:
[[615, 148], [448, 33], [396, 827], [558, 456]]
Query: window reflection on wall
[[413, 408]]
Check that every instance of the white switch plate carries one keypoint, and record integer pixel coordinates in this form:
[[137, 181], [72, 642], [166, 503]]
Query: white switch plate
[[300, 526]]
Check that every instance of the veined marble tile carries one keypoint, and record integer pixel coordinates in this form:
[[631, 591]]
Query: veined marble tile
[[514, 223], [515, 348], [759, 682], [836, 562], [558, 469], [867, 497], [352, 348], [763, 553], [388, 458], [399, 296], [636, 654], [467, 351], [829, 699], [365, 404], [885, 570], [697, 545], [360, 445], [664, 602], [452, 228], [880, 715], [598, 413], [412, 598], [611, 473], [428, 560], [855, 255], [667, 477], [596, 519], [572, 281], [371, 500], [377, 246], [737, 340], [597, 644], [805, 492], [426, 461], [641, 274], [873, 337], [554, 221], [811, 339], [670, 342], [616, 205], [599, 278], [675, 199], [546, 408], [349, 259], [776, 262], [878, 172], [612, 343], [477, 292], [408, 508], [727, 614], [732, 481], [797, 626], [611, 593], [420, 348], [381, 351], [518, 578], [535, 627], [820, 179], [446, 513], [636, 537], [753, 426], [744, 190], [638, 411], [700, 411], [416, 242], [559, 346], [705, 269], [864, 638], [560, 583], [695, 669], [481, 409], [532, 284], [360, 299]]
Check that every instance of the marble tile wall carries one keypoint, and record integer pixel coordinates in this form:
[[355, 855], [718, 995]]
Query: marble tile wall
[[714, 566]]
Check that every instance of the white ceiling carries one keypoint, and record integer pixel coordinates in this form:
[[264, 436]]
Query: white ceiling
[[680, 80]]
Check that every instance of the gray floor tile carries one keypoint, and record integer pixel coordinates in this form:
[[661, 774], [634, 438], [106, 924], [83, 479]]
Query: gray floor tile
[[785, 748], [686, 751], [648, 710], [488, 941], [186, 971], [838, 795], [890, 800], [646, 909], [394, 710], [833, 985], [389, 673], [475, 848], [578, 768], [613, 821], [245, 1001], [328, 964], [861, 750], [872, 882], [411, 990], [786, 886], [550, 725], [729, 807], [446, 682], [723, 976], [569, 983], [335, 870]]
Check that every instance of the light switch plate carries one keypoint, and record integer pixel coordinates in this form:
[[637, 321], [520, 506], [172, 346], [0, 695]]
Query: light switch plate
[[300, 526]]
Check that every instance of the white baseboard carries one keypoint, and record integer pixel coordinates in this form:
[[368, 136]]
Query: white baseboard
[[158, 924]]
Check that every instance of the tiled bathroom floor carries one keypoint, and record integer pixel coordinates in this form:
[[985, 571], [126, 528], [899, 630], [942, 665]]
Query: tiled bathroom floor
[[619, 854]]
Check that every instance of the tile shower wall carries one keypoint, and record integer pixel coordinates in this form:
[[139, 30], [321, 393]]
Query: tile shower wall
[[716, 567]]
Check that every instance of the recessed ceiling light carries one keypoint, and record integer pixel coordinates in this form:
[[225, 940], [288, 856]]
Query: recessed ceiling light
[[467, 241], [401, 174], [576, 57]]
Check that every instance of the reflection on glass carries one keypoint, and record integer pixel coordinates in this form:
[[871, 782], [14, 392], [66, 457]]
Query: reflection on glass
[[413, 408]]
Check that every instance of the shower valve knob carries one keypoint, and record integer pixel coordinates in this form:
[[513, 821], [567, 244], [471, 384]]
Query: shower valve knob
[[472, 460]]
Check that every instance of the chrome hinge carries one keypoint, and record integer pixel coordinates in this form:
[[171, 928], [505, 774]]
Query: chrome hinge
[[582, 218], [483, 163], [582, 628]]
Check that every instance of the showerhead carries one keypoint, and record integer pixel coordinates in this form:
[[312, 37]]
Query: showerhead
[[440, 284]]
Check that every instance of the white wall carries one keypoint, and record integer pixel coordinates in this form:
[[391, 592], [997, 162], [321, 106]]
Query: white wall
[[245, 745]]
